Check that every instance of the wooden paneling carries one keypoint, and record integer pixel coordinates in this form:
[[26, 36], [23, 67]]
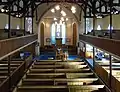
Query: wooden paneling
[[109, 45], [59, 42], [9, 45], [102, 73], [115, 84]]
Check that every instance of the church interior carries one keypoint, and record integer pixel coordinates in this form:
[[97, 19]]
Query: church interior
[[59, 46]]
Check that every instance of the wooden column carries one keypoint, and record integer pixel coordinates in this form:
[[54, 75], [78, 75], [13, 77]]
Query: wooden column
[[74, 34], [42, 34]]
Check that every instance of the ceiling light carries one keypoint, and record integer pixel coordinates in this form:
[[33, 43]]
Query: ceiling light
[[55, 22], [17, 15], [64, 14], [55, 18], [57, 7], [2, 10], [66, 19], [116, 12], [62, 18], [73, 11], [73, 8], [99, 17], [7, 10], [52, 10], [61, 22], [99, 27]]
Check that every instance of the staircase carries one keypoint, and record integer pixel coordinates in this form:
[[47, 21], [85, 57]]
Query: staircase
[[59, 76]]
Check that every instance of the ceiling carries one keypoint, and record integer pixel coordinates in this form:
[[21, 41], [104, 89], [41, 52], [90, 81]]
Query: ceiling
[[57, 14], [21, 8]]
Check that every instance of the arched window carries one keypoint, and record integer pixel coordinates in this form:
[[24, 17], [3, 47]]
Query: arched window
[[53, 33], [88, 25], [58, 31], [28, 24]]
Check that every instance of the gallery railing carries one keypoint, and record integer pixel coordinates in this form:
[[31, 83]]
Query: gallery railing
[[112, 47], [9, 45], [109, 45]]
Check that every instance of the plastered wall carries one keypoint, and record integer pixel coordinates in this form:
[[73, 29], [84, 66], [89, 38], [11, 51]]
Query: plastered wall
[[81, 25], [14, 21], [104, 22], [47, 32]]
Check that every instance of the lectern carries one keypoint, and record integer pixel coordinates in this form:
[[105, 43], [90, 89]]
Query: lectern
[[59, 42]]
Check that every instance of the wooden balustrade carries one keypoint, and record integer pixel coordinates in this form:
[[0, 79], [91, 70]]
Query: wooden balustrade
[[115, 84], [109, 45], [102, 73], [9, 45]]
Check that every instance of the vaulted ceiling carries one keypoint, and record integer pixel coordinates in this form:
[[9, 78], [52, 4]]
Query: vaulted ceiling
[[21, 8]]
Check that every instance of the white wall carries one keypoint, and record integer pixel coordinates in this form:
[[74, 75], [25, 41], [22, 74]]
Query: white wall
[[104, 22], [14, 21], [47, 30], [43, 11], [81, 25]]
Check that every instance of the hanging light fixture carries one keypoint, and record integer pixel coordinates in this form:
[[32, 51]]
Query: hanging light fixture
[[55, 19], [62, 18], [52, 10], [2, 10], [62, 14], [73, 9], [60, 22], [57, 7], [66, 19]]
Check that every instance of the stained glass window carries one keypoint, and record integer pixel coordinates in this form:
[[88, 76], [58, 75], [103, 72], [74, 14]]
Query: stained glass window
[[58, 31], [88, 25], [28, 24]]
